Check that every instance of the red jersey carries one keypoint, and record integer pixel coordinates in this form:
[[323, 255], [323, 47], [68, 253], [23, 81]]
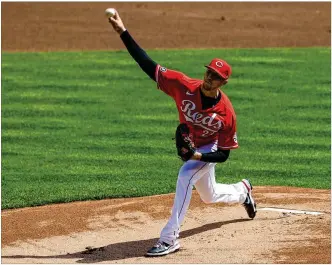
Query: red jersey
[[217, 123]]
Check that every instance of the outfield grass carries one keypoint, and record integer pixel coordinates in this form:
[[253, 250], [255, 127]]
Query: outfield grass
[[79, 126]]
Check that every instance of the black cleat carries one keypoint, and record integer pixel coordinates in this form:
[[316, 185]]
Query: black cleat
[[249, 204]]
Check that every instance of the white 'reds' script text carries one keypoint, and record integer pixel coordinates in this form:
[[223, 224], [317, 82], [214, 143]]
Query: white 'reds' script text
[[205, 121]]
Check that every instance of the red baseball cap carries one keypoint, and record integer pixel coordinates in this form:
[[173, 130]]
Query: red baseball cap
[[221, 67]]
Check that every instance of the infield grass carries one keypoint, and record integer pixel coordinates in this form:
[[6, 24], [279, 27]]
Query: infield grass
[[92, 125]]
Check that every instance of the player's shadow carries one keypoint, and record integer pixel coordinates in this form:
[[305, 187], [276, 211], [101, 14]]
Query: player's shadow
[[125, 250]]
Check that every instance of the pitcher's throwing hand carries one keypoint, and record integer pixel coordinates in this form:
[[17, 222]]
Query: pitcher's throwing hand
[[117, 23]]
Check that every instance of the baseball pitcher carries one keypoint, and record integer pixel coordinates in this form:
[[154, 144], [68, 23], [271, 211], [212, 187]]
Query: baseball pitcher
[[204, 137]]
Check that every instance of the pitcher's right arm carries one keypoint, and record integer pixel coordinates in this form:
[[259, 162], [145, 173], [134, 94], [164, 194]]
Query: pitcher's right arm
[[140, 56]]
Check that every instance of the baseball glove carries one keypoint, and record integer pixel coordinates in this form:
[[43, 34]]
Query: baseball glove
[[184, 142]]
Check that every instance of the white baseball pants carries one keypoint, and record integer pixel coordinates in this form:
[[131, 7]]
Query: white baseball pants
[[202, 175]]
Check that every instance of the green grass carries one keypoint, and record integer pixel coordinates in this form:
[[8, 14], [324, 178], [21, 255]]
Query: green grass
[[79, 126]]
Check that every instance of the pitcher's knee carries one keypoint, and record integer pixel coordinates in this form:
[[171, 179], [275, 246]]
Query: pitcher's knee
[[207, 199], [185, 179]]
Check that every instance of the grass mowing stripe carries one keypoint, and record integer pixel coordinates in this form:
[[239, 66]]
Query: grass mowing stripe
[[91, 125]]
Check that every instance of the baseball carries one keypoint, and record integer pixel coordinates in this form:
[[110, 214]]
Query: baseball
[[110, 12]]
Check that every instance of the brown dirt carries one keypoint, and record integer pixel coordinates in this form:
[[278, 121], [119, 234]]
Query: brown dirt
[[121, 230], [83, 26]]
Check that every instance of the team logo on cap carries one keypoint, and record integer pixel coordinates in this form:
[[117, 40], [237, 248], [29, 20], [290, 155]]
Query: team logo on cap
[[219, 64], [163, 69]]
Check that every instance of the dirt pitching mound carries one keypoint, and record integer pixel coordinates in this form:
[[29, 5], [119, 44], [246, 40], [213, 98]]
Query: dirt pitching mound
[[121, 231]]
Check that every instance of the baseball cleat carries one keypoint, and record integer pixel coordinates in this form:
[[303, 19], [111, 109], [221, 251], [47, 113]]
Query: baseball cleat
[[249, 204], [162, 248]]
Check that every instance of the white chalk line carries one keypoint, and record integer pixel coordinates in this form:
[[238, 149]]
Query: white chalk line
[[288, 211]]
